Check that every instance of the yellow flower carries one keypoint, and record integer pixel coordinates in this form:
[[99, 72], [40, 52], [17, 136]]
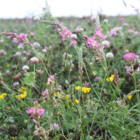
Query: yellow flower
[[117, 107], [77, 88], [111, 78], [13, 138], [2, 95], [18, 97], [77, 101], [7, 65], [20, 90], [23, 95], [85, 89], [56, 94], [23, 88], [67, 96], [129, 97]]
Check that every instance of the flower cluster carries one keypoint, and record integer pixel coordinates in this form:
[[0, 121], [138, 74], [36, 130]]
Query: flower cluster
[[110, 79], [65, 33], [23, 95], [84, 89], [2, 95], [21, 38], [34, 112], [129, 57]]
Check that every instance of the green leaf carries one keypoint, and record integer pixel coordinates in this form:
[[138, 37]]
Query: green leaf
[[29, 78]]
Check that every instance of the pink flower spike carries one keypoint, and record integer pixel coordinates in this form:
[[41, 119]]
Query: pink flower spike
[[129, 56], [40, 111]]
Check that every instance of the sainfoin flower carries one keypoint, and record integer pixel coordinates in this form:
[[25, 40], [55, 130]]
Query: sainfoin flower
[[40, 111], [129, 56], [33, 111], [45, 92]]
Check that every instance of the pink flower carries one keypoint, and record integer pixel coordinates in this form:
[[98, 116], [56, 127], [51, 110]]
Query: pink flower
[[15, 40], [31, 111], [45, 92], [40, 111], [51, 77], [121, 19], [129, 56], [99, 34], [92, 43], [73, 43], [22, 35]]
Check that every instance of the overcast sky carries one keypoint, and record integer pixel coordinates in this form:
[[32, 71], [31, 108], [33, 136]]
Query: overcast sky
[[22, 8]]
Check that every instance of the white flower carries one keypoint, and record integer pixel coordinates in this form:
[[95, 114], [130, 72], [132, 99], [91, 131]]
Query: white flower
[[16, 84], [106, 44], [44, 50], [17, 54], [36, 44], [21, 46], [109, 55], [93, 19], [73, 36], [25, 67], [34, 60], [105, 21]]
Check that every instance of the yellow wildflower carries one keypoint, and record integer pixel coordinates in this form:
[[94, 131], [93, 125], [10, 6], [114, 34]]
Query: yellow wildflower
[[20, 90], [18, 97], [77, 88], [2, 95], [117, 107], [77, 101], [56, 94], [7, 65], [85, 89], [13, 138], [111, 78], [67, 96], [129, 97], [23, 88]]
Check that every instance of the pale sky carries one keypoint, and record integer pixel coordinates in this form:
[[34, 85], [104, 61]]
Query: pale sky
[[22, 8]]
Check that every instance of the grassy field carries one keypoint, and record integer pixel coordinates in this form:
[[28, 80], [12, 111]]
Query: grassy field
[[70, 78]]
